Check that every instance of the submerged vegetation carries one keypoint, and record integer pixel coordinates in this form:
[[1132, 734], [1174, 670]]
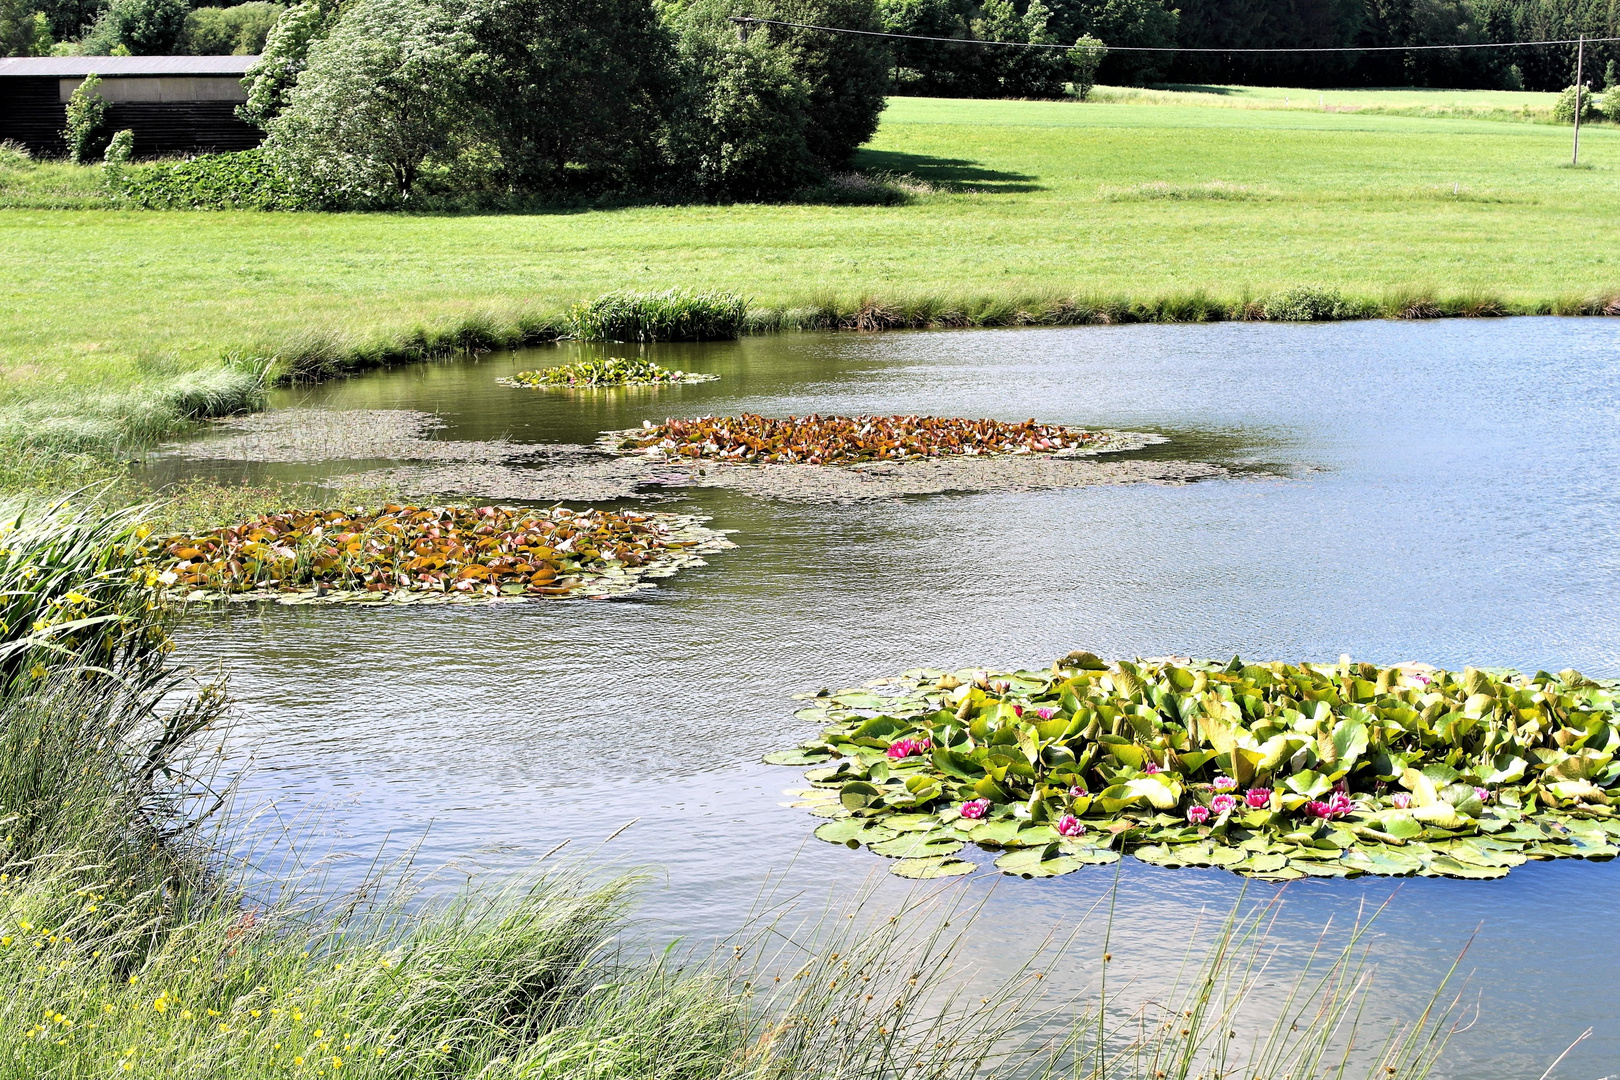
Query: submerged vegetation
[[843, 440], [607, 371], [412, 554], [1276, 771]]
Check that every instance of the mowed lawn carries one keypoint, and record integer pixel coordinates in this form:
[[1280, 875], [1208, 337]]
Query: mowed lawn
[[1036, 199]]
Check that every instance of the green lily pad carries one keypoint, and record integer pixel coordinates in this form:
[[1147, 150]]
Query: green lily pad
[[1036, 862], [918, 846], [854, 832], [936, 866]]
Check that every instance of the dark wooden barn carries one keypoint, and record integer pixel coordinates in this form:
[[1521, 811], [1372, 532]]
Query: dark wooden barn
[[174, 104]]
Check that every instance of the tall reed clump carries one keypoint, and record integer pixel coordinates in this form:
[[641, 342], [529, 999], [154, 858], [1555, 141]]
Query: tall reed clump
[[130, 947], [674, 315]]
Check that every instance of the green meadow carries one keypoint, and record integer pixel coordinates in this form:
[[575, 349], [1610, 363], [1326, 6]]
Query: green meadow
[[1143, 198]]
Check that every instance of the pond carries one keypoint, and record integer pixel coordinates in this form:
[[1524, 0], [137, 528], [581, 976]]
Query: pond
[[1444, 491]]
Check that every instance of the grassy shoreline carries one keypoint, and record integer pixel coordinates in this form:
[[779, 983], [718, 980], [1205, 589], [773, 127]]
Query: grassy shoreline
[[122, 327]]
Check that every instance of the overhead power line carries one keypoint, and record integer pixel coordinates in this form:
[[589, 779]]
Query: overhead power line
[[749, 20]]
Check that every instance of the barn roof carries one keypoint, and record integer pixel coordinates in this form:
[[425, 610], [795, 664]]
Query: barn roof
[[77, 67]]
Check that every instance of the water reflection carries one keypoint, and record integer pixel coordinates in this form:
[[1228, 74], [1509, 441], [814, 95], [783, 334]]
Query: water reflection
[[1444, 491]]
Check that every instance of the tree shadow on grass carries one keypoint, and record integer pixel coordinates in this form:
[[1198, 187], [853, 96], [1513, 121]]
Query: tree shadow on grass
[[950, 174]]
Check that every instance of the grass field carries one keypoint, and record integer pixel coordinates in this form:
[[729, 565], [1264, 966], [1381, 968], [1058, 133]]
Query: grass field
[[1526, 105], [1024, 202]]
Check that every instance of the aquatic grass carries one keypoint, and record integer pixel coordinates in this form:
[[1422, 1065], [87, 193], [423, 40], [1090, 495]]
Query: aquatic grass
[[672, 315], [1349, 769]]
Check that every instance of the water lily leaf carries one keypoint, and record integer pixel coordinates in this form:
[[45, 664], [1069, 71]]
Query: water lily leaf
[[936, 866], [1038, 862], [1445, 866], [1264, 862], [801, 756], [1002, 833], [1440, 814], [918, 846], [854, 832]]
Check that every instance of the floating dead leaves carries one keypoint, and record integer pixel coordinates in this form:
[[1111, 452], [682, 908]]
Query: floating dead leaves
[[845, 440], [1275, 771], [413, 554], [605, 371]]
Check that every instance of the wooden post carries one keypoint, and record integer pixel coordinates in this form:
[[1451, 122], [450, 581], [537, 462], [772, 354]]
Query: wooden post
[[1580, 60]]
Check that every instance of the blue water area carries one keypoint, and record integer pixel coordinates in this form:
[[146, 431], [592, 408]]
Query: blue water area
[[1444, 491]]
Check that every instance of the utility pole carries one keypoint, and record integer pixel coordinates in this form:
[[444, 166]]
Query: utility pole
[[1580, 60], [742, 22]]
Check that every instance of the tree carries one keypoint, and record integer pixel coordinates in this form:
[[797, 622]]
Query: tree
[[739, 129], [385, 93], [572, 90], [143, 27], [286, 53], [23, 30], [847, 76], [241, 30], [1084, 59], [1132, 23], [935, 68], [1020, 73]]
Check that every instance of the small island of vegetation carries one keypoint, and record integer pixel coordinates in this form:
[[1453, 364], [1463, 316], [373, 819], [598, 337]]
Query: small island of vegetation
[[1275, 771], [847, 440], [609, 371]]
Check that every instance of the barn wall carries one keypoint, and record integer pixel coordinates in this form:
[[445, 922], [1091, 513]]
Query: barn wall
[[32, 113]]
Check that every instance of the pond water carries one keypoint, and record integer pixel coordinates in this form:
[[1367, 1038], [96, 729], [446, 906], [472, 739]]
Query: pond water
[[1443, 491]]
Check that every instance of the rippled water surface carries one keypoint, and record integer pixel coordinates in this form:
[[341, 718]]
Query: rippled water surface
[[1443, 491]]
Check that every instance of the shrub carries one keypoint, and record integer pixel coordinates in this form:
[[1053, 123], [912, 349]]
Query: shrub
[[1307, 303], [240, 30], [120, 149], [383, 93], [86, 116], [675, 315], [143, 27], [245, 180], [1564, 110], [286, 53]]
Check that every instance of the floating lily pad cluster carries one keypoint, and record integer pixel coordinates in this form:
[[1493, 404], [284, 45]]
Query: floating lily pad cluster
[[605, 371], [413, 554], [1274, 771], [844, 440]]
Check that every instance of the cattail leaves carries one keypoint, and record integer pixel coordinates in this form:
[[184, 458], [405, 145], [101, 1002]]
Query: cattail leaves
[[1275, 771]]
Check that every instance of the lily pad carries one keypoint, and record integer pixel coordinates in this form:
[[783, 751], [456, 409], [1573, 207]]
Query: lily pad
[[918, 846], [932, 867], [1038, 862]]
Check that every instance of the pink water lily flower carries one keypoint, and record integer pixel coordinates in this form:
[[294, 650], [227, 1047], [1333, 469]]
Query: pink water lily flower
[[1336, 807], [1078, 791], [1069, 825], [1198, 814], [1482, 795], [1258, 798], [1222, 804], [1046, 714], [1401, 800], [1151, 767], [904, 748], [1224, 783], [975, 809]]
